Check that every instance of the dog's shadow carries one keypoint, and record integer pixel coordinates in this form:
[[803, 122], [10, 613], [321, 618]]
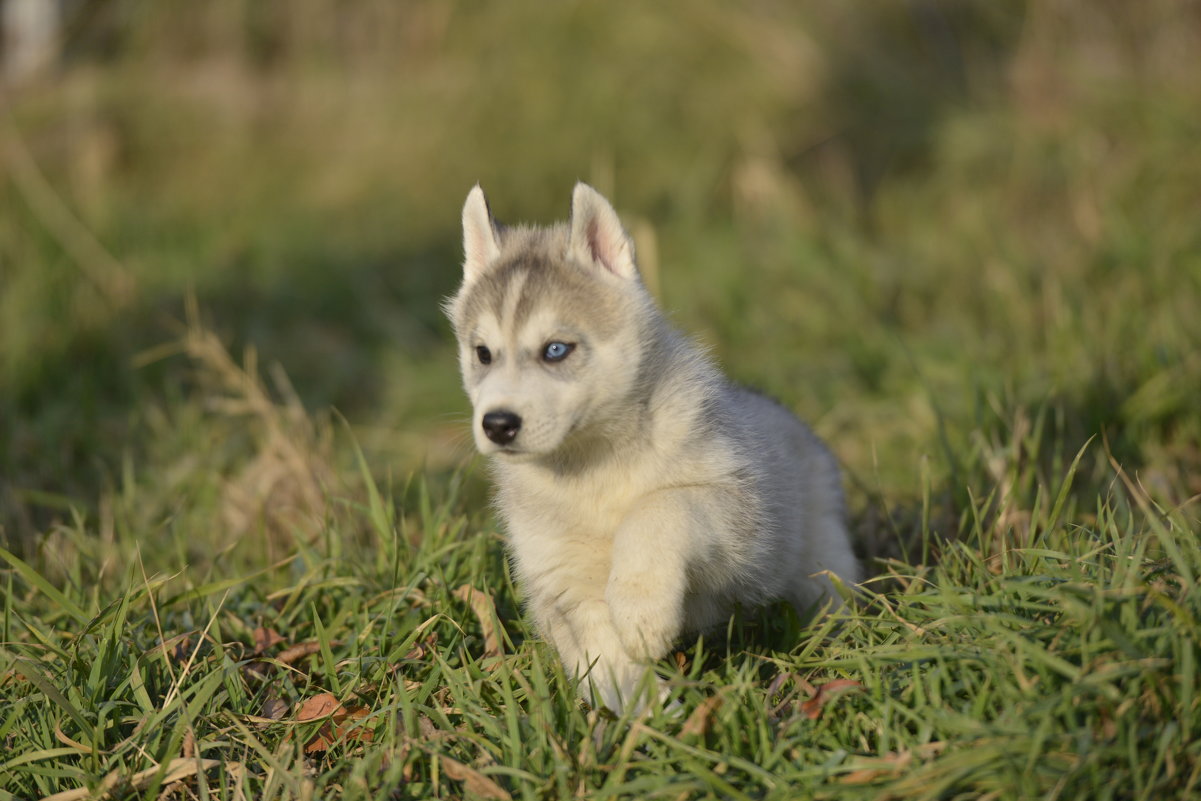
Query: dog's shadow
[[761, 634], [883, 536]]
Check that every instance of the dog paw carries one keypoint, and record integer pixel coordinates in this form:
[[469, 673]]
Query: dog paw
[[625, 687]]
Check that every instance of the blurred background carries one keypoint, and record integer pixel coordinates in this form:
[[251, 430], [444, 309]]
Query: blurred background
[[941, 231]]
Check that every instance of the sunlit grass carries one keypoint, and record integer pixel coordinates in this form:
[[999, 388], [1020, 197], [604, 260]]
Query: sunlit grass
[[1050, 651], [976, 271]]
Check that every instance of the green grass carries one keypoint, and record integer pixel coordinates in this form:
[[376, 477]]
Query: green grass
[[962, 243], [1051, 652]]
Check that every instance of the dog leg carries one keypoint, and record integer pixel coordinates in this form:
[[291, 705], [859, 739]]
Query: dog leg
[[648, 579]]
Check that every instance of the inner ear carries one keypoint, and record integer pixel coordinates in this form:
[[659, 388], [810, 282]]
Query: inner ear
[[597, 235], [600, 250]]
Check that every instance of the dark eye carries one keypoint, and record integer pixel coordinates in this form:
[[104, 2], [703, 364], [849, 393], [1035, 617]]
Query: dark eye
[[483, 354], [557, 351]]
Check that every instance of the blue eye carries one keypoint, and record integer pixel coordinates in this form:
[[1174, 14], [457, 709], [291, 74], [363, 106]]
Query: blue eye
[[557, 351]]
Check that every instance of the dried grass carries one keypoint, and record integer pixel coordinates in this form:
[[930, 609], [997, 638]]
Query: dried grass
[[281, 491]]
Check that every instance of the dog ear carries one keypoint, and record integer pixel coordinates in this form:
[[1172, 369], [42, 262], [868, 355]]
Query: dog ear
[[596, 233], [480, 247]]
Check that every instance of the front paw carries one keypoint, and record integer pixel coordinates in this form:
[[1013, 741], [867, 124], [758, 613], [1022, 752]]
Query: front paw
[[646, 621], [622, 685]]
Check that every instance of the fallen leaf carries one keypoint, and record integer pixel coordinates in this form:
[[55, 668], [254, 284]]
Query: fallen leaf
[[485, 610], [274, 708], [266, 638], [824, 693], [290, 655], [474, 782], [702, 717], [342, 723], [321, 741], [319, 706]]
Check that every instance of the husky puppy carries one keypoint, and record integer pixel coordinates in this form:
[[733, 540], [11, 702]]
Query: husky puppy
[[643, 493]]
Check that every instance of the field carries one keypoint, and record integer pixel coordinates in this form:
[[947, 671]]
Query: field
[[247, 550]]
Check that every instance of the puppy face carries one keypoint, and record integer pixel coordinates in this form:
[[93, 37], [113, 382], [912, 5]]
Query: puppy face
[[545, 320], [541, 345]]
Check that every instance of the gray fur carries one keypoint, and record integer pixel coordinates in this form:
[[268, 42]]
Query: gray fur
[[644, 494]]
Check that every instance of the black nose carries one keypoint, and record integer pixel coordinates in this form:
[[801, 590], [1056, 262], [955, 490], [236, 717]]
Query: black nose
[[501, 427]]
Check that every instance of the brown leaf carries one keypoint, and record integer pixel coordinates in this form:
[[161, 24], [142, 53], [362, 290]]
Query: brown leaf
[[319, 706], [474, 782], [699, 721], [342, 725], [274, 708], [321, 741], [290, 655], [266, 638], [348, 727], [485, 610], [824, 693]]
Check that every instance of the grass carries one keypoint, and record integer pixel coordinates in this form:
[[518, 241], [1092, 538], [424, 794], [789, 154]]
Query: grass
[[247, 553], [1051, 652]]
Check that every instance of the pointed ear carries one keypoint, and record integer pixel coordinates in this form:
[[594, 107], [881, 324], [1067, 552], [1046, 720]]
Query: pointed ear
[[597, 236], [480, 247]]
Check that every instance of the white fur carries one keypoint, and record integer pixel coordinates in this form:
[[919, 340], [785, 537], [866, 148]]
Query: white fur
[[479, 237], [645, 494]]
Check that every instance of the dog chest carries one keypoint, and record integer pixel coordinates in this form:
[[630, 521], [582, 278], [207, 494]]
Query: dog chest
[[562, 528]]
